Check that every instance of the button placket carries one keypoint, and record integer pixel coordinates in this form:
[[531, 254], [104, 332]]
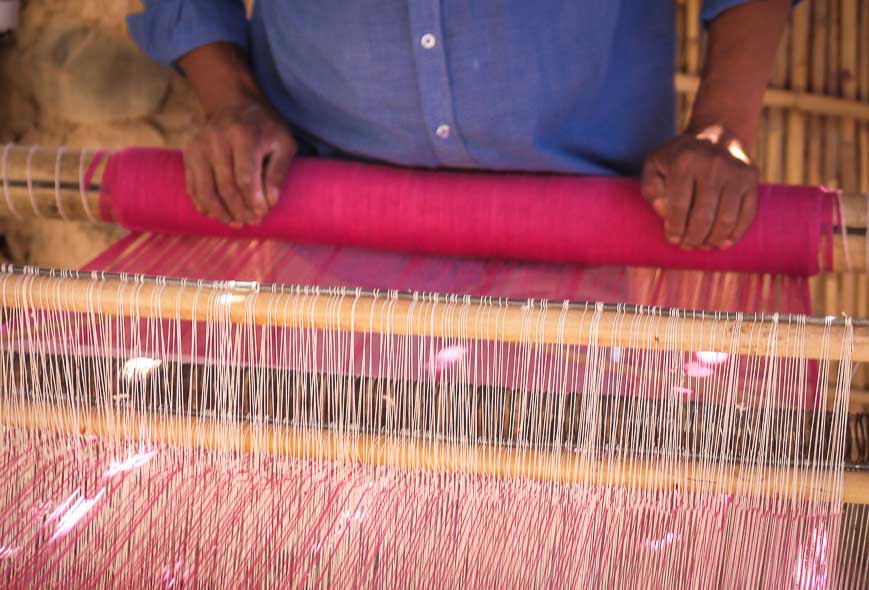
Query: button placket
[[434, 84]]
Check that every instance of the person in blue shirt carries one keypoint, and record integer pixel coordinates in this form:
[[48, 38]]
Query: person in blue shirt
[[563, 86]]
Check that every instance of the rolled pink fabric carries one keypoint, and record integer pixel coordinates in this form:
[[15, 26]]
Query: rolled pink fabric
[[531, 217]]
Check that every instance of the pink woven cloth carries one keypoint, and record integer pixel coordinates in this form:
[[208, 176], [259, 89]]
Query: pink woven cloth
[[547, 218], [268, 261]]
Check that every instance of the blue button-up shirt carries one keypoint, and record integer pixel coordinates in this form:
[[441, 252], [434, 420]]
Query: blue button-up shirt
[[583, 86]]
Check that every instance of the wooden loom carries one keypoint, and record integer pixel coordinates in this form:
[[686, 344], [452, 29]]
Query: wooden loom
[[48, 183], [41, 182]]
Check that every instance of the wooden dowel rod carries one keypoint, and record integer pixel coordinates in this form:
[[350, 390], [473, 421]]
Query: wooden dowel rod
[[806, 102], [686, 476], [366, 313], [36, 190], [46, 182], [50, 182]]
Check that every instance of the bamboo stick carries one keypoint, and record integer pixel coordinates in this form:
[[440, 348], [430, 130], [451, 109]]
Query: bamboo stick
[[815, 125], [848, 76], [849, 24], [692, 36], [446, 457], [799, 76], [818, 82], [774, 171], [759, 155], [775, 133], [834, 41], [806, 102], [863, 53], [411, 316], [848, 161]]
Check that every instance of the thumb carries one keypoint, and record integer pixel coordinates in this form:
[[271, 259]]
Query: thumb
[[276, 169], [652, 187]]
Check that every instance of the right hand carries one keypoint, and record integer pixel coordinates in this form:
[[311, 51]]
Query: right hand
[[236, 165]]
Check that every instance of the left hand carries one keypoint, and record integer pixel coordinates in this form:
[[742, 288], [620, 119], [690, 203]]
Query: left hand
[[704, 187]]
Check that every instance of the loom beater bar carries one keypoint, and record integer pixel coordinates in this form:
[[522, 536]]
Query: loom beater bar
[[427, 315]]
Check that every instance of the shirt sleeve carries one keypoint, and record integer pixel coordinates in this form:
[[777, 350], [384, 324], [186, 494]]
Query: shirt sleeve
[[712, 8], [167, 29]]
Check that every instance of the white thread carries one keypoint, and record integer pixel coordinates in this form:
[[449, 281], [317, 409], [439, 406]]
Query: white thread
[[30, 153], [57, 199], [9, 204]]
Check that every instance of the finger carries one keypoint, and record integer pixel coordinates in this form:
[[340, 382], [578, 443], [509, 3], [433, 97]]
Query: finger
[[725, 219], [652, 187], [206, 193], [277, 168], [247, 161], [190, 157], [707, 195], [679, 188], [224, 177], [747, 211]]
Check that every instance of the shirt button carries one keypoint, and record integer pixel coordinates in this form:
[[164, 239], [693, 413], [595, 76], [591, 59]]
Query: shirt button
[[443, 131], [428, 41]]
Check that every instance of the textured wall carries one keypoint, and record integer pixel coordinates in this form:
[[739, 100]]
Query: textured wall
[[74, 78]]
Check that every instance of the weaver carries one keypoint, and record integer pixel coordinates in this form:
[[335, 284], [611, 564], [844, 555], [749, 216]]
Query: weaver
[[225, 428]]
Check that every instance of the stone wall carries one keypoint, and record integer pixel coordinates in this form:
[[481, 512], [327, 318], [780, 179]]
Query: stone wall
[[73, 77]]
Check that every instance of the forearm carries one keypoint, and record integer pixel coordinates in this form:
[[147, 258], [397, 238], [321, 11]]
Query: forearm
[[741, 49], [220, 76]]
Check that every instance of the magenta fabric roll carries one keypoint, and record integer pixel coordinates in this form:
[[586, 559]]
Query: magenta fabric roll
[[530, 217]]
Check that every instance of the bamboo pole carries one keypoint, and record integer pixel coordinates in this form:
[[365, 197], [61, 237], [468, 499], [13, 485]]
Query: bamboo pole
[[578, 325], [818, 82], [692, 36], [849, 86], [863, 53], [861, 377], [775, 133], [832, 137], [446, 457], [799, 77]]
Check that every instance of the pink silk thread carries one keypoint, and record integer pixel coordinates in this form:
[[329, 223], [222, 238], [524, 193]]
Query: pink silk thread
[[531, 217]]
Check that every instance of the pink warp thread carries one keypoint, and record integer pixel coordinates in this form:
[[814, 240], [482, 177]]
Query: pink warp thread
[[532, 217]]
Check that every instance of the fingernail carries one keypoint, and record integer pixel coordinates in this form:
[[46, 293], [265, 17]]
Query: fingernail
[[235, 224], [726, 244], [658, 206], [273, 196], [673, 240]]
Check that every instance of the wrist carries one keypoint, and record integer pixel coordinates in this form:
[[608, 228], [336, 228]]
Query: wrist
[[735, 120], [220, 77]]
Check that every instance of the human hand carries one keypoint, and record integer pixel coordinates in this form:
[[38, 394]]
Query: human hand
[[236, 164], [704, 187]]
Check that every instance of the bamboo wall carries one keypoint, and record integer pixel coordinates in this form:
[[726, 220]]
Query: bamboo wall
[[824, 54]]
